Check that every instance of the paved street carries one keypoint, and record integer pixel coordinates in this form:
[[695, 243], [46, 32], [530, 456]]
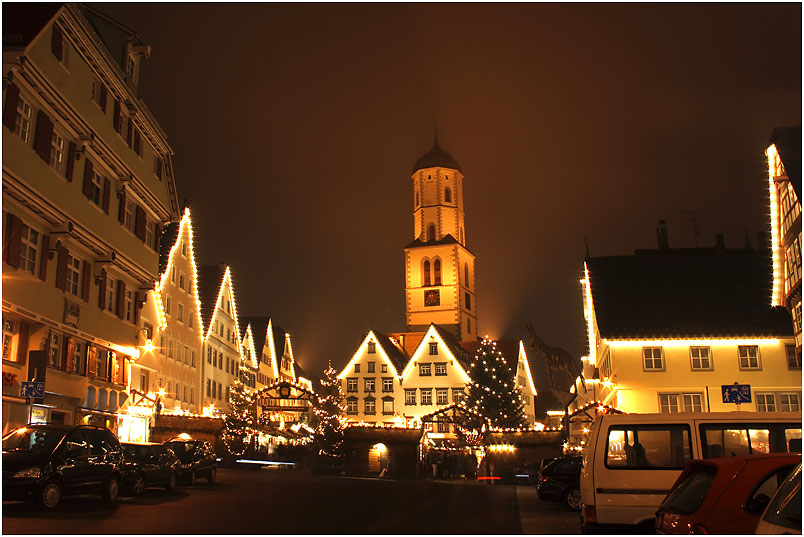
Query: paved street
[[272, 501]]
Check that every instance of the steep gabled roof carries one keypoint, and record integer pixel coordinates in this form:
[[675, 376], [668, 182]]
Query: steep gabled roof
[[686, 293], [169, 237], [788, 143], [210, 279], [23, 21], [299, 372], [259, 331], [449, 339], [398, 357], [279, 340]]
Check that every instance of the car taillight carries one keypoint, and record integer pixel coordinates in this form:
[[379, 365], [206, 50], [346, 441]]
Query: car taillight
[[698, 529], [589, 514], [668, 522], [543, 479]]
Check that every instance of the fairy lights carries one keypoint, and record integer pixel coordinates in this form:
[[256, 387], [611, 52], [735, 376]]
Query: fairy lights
[[703, 342], [589, 314], [778, 274]]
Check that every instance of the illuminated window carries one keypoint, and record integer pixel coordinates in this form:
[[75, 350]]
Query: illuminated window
[[749, 357], [437, 272], [368, 385], [442, 426], [22, 124], [448, 195], [424, 370], [652, 359], [442, 395], [427, 396], [388, 405], [29, 250], [668, 403], [372, 349], [700, 358], [426, 273], [789, 402], [351, 385], [793, 358], [369, 405], [410, 397], [441, 369], [57, 153], [433, 349], [384, 368], [351, 405], [457, 395], [387, 385], [357, 368], [370, 367], [765, 402], [9, 336]]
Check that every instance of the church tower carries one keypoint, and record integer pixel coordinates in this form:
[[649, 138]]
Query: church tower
[[439, 270]]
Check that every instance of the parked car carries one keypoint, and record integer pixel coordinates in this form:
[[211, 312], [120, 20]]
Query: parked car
[[44, 462], [197, 459], [560, 481], [632, 460], [783, 514], [724, 495], [149, 465]]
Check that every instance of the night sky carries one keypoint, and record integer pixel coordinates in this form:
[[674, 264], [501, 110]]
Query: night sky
[[295, 128]]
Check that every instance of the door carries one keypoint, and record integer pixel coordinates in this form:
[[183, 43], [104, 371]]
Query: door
[[74, 461]]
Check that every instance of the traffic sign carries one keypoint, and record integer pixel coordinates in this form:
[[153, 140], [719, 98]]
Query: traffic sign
[[736, 393], [32, 389]]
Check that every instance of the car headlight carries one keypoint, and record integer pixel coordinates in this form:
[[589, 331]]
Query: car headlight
[[29, 473]]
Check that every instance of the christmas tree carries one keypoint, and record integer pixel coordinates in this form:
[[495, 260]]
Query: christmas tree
[[238, 426], [492, 392], [329, 408]]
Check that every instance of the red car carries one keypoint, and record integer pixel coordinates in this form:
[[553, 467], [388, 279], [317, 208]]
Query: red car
[[724, 495]]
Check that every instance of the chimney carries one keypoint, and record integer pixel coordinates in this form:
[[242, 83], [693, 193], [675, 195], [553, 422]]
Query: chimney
[[661, 235]]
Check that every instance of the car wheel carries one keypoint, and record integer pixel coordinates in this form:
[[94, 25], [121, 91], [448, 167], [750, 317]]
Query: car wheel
[[573, 499], [213, 475], [139, 483], [192, 478], [171, 484], [112, 490], [49, 496]]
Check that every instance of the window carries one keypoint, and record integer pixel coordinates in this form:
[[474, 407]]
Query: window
[[765, 402], [448, 195], [442, 395], [128, 305], [357, 368], [789, 402], [368, 385], [424, 370], [426, 273], [433, 349], [431, 232], [467, 298], [57, 153], [96, 187], [466, 274], [99, 93], [442, 426], [427, 396], [441, 369], [387, 385], [410, 397], [652, 359], [73, 275], [370, 367], [30, 246], [384, 368], [111, 294], [183, 248], [372, 349], [180, 312], [351, 405], [150, 233], [437, 272], [369, 405], [208, 388], [128, 218], [102, 358], [181, 280], [793, 358], [167, 305], [700, 358], [749, 356], [9, 333], [642, 446], [680, 402], [22, 124], [158, 167], [388, 406], [54, 350], [457, 395], [351, 385]]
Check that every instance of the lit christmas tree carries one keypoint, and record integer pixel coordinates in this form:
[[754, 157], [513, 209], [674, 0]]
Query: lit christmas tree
[[492, 392], [329, 409], [238, 426]]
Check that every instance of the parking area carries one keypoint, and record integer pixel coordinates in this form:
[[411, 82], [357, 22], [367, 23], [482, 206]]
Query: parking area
[[543, 517]]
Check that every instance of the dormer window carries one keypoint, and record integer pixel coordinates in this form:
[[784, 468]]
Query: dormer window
[[131, 68]]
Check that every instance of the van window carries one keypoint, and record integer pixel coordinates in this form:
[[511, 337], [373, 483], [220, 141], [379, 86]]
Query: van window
[[634, 447], [731, 440]]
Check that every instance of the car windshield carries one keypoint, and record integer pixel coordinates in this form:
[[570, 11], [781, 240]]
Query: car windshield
[[687, 497], [183, 450], [35, 439]]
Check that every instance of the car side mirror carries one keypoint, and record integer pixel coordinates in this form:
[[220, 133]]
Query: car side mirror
[[757, 504]]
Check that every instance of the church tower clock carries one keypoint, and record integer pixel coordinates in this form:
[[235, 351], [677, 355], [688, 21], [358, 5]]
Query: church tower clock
[[439, 270]]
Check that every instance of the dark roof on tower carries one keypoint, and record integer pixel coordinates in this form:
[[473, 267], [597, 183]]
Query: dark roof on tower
[[686, 293], [436, 158], [209, 284], [446, 239], [788, 144]]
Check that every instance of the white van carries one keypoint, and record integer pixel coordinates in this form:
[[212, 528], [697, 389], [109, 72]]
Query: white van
[[631, 461]]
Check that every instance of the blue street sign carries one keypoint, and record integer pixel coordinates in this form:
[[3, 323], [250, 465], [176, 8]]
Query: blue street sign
[[736, 393], [32, 389]]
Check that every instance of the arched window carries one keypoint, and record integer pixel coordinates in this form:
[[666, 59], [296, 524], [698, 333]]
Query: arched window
[[448, 195], [468, 326], [417, 198], [431, 232], [466, 274], [437, 271], [426, 271]]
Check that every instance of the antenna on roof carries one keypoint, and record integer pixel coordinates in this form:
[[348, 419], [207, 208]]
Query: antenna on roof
[[696, 225]]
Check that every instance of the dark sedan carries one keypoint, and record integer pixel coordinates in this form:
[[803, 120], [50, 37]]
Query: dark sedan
[[197, 459], [149, 465], [560, 481]]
